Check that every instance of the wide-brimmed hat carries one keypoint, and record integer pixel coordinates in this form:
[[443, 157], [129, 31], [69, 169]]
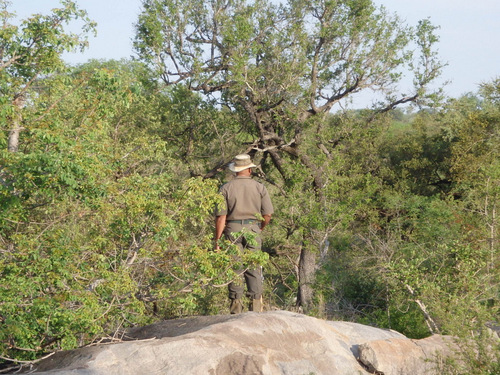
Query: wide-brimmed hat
[[240, 163]]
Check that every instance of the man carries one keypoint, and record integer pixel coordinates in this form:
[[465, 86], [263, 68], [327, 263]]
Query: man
[[245, 201]]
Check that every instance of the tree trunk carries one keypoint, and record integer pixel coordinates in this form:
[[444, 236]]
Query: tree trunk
[[13, 141], [307, 271]]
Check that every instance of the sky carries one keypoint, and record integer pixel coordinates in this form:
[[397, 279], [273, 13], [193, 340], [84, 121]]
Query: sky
[[469, 33]]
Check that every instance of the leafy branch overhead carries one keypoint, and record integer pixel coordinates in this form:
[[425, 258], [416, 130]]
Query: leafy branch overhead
[[301, 57]]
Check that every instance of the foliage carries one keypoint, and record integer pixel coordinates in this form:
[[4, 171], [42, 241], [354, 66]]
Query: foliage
[[29, 52], [425, 259], [98, 219]]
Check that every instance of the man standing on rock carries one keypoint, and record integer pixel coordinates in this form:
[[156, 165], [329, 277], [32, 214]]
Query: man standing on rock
[[247, 206]]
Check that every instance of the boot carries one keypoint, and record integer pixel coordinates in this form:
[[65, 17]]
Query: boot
[[236, 306], [256, 305]]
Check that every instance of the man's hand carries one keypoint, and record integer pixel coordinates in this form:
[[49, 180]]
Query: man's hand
[[263, 223]]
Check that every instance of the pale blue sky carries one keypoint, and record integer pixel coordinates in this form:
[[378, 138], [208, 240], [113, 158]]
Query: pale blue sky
[[469, 32]]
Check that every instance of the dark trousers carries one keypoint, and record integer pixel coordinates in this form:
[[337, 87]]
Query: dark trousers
[[252, 278]]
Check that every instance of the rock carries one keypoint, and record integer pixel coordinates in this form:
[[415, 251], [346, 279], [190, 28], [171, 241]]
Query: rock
[[397, 356], [269, 343]]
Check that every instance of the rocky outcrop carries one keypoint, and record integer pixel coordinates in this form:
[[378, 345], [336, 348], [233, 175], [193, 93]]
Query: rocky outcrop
[[271, 343]]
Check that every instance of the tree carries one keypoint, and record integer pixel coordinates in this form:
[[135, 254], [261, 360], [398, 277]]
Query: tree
[[61, 284], [283, 67], [30, 51]]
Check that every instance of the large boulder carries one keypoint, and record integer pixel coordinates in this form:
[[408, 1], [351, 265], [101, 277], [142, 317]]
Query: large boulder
[[271, 343], [396, 356]]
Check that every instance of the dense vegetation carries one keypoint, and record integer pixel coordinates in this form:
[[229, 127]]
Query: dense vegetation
[[109, 173]]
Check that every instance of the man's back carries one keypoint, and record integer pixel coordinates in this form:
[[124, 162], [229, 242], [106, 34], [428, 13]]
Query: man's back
[[245, 198]]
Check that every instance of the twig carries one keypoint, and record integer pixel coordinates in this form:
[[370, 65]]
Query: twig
[[109, 308], [27, 362], [431, 324]]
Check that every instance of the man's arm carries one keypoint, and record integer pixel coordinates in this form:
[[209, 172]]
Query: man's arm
[[263, 223], [220, 224]]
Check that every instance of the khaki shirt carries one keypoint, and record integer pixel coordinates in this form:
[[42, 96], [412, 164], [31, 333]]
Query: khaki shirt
[[244, 197]]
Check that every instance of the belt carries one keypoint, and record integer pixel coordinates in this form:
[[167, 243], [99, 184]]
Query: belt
[[246, 221]]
